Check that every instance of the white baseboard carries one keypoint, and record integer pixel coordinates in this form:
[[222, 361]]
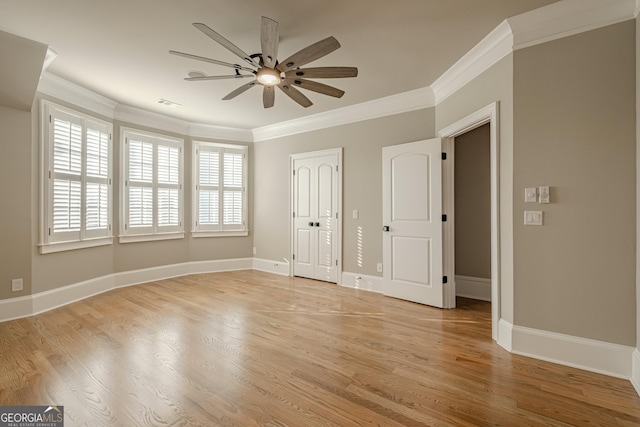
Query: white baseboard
[[473, 287], [505, 334], [635, 370], [276, 267], [362, 281], [596, 356], [15, 308]]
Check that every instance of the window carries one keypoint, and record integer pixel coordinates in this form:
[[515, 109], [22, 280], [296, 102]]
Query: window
[[152, 194], [76, 191], [220, 194]]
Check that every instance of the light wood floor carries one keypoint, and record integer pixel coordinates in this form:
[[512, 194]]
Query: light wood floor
[[249, 348]]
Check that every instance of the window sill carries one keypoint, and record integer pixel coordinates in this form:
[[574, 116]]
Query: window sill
[[200, 234], [48, 248], [150, 237]]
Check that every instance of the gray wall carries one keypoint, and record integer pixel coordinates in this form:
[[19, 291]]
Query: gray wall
[[362, 184], [574, 130], [493, 85], [15, 191], [473, 203]]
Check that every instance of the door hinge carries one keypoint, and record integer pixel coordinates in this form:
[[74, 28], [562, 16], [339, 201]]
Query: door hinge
[[294, 257], [294, 214], [445, 279], [294, 172], [336, 263], [336, 215], [444, 217], [444, 156], [336, 168], [49, 231]]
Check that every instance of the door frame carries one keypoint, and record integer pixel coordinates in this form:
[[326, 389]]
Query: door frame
[[307, 155], [490, 115]]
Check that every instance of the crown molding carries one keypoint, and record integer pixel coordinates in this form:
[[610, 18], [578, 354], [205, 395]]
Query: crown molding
[[491, 49], [395, 104], [72, 93], [567, 18], [141, 117], [557, 20], [199, 130]]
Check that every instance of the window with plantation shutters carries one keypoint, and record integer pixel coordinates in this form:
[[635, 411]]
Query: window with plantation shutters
[[220, 193], [77, 180], [152, 194]]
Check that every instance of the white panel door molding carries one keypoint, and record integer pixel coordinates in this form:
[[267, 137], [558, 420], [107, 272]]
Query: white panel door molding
[[412, 216], [316, 214]]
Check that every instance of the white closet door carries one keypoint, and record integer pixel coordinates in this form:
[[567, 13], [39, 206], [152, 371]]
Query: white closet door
[[315, 216]]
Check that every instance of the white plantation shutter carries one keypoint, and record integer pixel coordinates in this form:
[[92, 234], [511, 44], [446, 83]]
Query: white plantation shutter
[[168, 186], [153, 196], [77, 180], [97, 198], [208, 186], [233, 188], [220, 204], [67, 205]]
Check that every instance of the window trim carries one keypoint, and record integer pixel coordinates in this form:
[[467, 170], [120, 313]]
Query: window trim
[[154, 232], [196, 231], [83, 238]]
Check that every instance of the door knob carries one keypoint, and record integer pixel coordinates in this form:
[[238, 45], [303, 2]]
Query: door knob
[[385, 228], [317, 224], [310, 224]]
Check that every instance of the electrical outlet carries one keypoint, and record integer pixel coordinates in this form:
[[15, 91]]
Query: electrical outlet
[[16, 285], [379, 267]]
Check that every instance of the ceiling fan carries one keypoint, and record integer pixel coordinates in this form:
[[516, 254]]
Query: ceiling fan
[[269, 72]]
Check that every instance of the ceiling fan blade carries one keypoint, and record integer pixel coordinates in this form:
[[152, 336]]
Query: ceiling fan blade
[[268, 96], [231, 76], [240, 90], [269, 38], [309, 53], [316, 87], [213, 61], [323, 72], [225, 43], [295, 94]]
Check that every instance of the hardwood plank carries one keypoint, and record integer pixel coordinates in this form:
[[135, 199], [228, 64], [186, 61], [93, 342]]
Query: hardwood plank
[[248, 348]]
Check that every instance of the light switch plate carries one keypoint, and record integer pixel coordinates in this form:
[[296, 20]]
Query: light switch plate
[[545, 197], [530, 195], [354, 214], [532, 217]]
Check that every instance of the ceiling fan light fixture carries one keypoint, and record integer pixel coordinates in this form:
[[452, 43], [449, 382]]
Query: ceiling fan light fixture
[[269, 77]]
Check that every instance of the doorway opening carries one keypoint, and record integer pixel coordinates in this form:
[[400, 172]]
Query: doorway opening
[[485, 116], [472, 200]]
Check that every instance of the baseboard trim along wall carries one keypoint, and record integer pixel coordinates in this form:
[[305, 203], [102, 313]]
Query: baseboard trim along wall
[[635, 370], [473, 287], [595, 356], [276, 267], [362, 281], [15, 308], [591, 355]]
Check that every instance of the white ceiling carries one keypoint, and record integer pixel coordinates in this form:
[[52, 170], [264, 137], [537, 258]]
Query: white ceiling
[[119, 48]]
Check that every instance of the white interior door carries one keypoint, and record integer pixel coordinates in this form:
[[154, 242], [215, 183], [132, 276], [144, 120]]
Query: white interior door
[[315, 216], [412, 215]]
